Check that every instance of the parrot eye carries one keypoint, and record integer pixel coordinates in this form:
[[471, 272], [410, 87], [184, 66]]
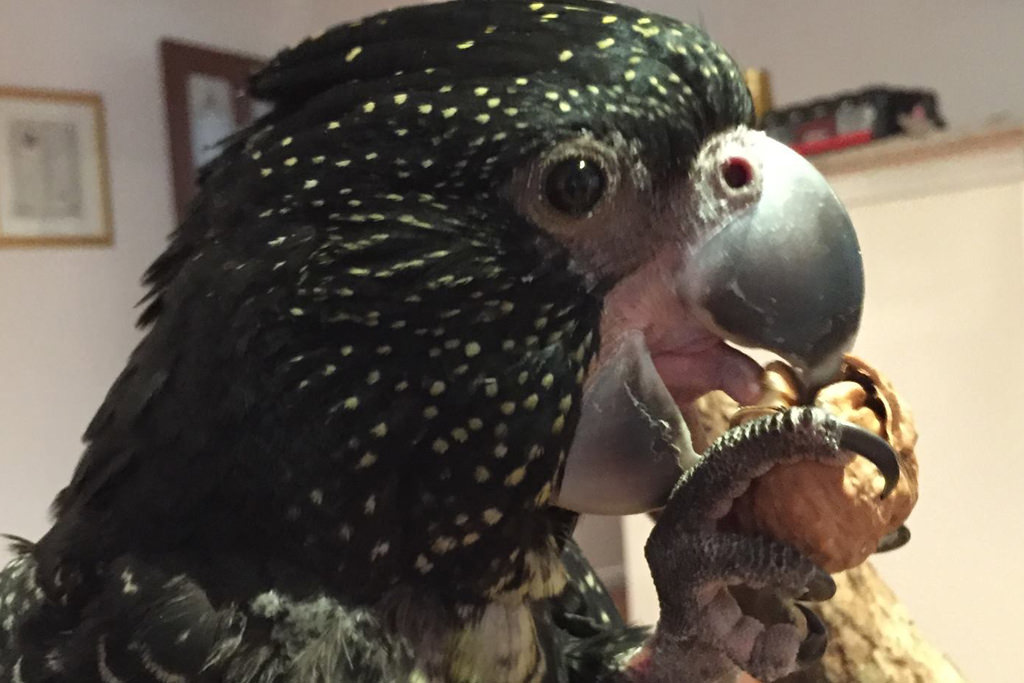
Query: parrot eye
[[737, 173], [575, 185]]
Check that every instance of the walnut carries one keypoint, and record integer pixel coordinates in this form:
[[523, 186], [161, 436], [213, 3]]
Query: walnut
[[833, 513]]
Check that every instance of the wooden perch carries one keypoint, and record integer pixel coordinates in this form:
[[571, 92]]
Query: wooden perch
[[872, 638]]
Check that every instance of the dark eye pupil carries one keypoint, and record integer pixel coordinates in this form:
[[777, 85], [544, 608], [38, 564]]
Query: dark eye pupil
[[574, 186], [737, 172]]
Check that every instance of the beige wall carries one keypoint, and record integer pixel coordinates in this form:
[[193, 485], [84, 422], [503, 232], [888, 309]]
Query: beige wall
[[66, 316], [328, 12], [946, 318]]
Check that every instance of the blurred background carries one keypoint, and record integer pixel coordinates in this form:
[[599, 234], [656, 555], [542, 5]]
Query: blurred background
[[941, 220]]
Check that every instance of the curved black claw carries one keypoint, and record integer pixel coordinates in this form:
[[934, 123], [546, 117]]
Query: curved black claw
[[820, 587], [816, 641], [894, 540], [874, 448]]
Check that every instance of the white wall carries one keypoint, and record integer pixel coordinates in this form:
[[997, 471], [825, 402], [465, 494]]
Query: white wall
[[66, 315], [968, 50], [944, 317], [328, 12]]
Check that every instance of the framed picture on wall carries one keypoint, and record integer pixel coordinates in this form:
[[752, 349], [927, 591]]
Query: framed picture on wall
[[206, 94], [54, 172]]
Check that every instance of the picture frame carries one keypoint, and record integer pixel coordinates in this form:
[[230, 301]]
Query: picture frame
[[206, 94], [54, 169]]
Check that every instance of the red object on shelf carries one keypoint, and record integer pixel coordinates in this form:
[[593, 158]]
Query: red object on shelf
[[833, 143], [853, 118]]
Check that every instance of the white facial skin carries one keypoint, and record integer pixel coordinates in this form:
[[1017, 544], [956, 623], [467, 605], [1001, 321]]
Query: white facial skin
[[690, 359], [616, 465]]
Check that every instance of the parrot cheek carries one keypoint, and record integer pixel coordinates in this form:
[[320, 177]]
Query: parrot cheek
[[689, 358], [631, 443]]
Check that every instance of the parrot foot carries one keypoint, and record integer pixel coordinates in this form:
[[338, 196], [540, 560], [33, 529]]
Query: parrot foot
[[699, 570]]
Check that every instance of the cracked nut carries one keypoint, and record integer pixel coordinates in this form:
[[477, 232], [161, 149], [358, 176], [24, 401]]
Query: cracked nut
[[833, 513]]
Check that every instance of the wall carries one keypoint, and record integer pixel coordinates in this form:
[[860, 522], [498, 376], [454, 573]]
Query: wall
[[66, 315], [946, 277], [962, 48], [328, 12]]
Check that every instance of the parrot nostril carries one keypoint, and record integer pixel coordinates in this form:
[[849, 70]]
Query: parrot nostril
[[737, 172]]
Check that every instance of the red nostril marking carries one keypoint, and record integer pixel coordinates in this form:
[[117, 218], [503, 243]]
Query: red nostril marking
[[737, 172]]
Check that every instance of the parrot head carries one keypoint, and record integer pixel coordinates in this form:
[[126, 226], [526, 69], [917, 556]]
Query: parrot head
[[620, 142], [461, 278]]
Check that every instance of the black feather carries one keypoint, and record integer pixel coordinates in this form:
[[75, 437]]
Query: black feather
[[363, 369]]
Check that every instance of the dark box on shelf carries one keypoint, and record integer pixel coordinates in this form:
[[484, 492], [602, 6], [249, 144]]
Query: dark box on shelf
[[854, 118]]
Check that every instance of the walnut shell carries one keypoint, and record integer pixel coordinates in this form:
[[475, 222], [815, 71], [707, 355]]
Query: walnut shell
[[833, 513]]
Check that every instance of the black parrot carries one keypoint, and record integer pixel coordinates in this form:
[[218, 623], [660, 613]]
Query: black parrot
[[448, 294]]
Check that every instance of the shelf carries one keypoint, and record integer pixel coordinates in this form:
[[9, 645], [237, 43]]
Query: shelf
[[903, 150], [943, 162]]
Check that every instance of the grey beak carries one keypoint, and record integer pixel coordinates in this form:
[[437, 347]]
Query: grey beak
[[787, 274]]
